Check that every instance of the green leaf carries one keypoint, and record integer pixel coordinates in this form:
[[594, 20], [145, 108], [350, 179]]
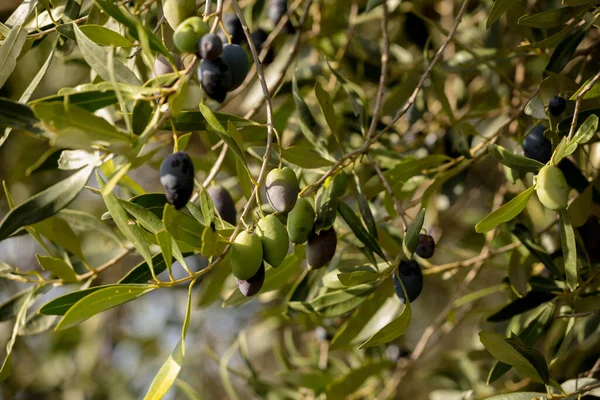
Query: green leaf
[[327, 109], [104, 36], [351, 381], [505, 213], [326, 207], [308, 124], [165, 241], [365, 212], [516, 162], [215, 124], [59, 231], [563, 53], [547, 19], [170, 369], [539, 252], [101, 300], [75, 127], [133, 233], [569, 247], [591, 94], [392, 330], [18, 116], [80, 220], [534, 357], [305, 157], [207, 207], [61, 304], [503, 351], [275, 278], [354, 278], [58, 267], [362, 315], [337, 302], [132, 27], [359, 231], [10, 50], [521, 305], [183, 227], [183, 140], [499, 8], [44, 204], [97, 58], [584, 134], [536, 108], [141, 273], [10, 308], [411, 238], [356, 101], [75, 159]]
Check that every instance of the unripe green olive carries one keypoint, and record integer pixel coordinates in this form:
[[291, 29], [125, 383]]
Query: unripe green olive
[[275, 240], [282, 189], [188, 34], [300, 221], [176, 11], [552, 188], [246, 255]]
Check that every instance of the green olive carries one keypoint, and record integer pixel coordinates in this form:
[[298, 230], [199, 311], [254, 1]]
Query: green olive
[[275, 240], [188, 34], [300, 221], [246, 255], [552, 188], [176, 11]]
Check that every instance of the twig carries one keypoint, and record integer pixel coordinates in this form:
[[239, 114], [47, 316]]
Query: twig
[[216, 166], [436, 269], [385, 55], [580, 97], [388, 189], [372, 139]]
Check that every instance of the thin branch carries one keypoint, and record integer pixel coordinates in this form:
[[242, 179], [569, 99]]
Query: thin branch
[[216, 166], [385, 55], [388, 189], [342, 162], [436, 269], [580, 97]]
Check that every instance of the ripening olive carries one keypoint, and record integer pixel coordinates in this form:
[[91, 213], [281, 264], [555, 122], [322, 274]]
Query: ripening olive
[[189, 33], [177, 178], [163, 67], [234, 28], [246, 255], [557, 105], [412, 278], [259, 37], [223, 203], [215, 78], [282, 189], [210, 47], [320, 248], [300, 221], [251, 286], [425, 247], [552, 188], [176, 11], [237, 59], [275, 240], [537, 146]]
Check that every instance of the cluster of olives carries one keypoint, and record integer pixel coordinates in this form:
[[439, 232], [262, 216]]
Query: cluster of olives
[[409, 272]]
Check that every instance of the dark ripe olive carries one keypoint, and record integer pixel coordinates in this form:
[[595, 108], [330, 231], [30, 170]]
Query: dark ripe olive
[[557, 105], [177, 178], [282, 189], [210, 47], [215, 78], [252, 286], [425, 247], [412, 278], [537, 146], [234, 29], [237, 59], [590, 234], [223, 204], [259, 37], [320, 248]]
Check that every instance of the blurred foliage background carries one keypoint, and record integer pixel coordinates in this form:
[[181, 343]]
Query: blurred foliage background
[[486, 77]]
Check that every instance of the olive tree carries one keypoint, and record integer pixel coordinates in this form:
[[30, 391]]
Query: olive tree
[[391, 198]]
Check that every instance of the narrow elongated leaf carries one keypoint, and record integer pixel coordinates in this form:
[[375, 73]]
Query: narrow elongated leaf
[[584, 133], [307, 121], [61, 304], [337, 302], [505, 213], [58, 267], [563, 53], [326, 105], [501, 350], [13, 304], [44, 204], [325, 207], [411, 237], [569, 247], [18, 116], [305, 157], [521, 305], [526, 238], [392, 330], [350, 382], [104, 36], [101, 300], [361, 233], [516, 162], [10, 50], [170, 369], [534, 357], [132, 232], [518, 396], [499, 8], [547, 19]]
